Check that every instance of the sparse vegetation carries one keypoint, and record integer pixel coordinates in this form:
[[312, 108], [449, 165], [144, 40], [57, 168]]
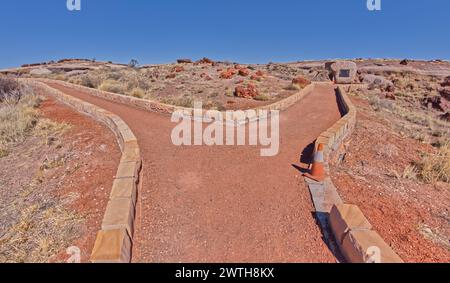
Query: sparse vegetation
[[35, 226], [262, 97], [184, 101], [8, 87], [112, 86], [419, 125], [87, 81], [18, 114], [137, 92], [435, 167], [37, 233], [293, 87]]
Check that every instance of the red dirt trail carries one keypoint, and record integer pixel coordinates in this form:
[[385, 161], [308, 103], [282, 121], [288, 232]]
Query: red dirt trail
[[226, 203]]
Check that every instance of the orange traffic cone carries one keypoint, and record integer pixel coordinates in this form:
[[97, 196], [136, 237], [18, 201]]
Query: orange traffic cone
[[318, 166]]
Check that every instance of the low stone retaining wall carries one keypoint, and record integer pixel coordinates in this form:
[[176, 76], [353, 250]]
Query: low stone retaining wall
[[114, 241], [154, 106], [352, 233]]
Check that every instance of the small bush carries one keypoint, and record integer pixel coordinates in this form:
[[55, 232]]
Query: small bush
[[137, 92], [435, 167], [90, 81], [262, 97], [187, 102], [112, 86], [214, 105], [293, 87], [114, 75], [8, 87], [60, 77]]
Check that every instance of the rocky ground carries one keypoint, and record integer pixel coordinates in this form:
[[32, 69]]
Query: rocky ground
[[381, 173], [397, 166]]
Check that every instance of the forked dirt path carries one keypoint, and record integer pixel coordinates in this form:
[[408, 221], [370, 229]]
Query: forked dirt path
[[226, 203]]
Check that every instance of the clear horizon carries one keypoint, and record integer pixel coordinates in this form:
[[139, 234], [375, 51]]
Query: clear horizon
[[248, 32]]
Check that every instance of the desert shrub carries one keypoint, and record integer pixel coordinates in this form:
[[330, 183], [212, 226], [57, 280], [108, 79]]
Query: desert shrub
[[293, 87], [114, 75], [137, 92], [379, 104], [262, 97], [435, 167], [213, 105], [90, 81], [17, 117], [187, 102], [8, 87], [60, 77], [112, 86]]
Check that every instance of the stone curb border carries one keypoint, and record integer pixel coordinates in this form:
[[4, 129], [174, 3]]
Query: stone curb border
[[153, 106], [352, 232], [114, 241]]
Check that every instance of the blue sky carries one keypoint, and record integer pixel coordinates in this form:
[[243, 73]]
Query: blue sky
[[247, 31]]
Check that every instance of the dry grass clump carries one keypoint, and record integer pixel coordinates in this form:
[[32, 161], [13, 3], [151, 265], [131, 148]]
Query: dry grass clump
[[137, 92], [91, 81], [262, 97], [293, 87], [8, 86], [418, 124], [18, 116], [112, 86], [127, 81], [36, 236], [59, 77], [184, 101], [435, 167]]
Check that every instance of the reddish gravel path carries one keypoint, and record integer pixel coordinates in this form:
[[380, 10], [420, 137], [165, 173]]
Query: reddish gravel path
[[226, 204]]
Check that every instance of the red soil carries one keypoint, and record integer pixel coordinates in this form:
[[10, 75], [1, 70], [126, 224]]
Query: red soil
[[97, 159], [399, 209], [226, 204]]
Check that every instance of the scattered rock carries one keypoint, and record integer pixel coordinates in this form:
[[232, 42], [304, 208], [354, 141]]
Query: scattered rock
[[249, 92], [40, 72], [445, 117], [184, 61], [438, 103], [375, 81], [178, 69], [390, 88], [446, 82], [389, 95], [318, 75], [205, 61], [301, 81], [228, 74], [404, 62], [344, 72], [171, 76], [76, 73], [256, 78], [244, 72], [205, 76], [445, 92], [260, 73], [33, 65]]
